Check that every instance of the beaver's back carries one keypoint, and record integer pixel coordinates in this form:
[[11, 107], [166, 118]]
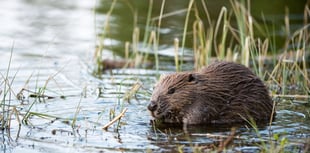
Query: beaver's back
[[233, 91]]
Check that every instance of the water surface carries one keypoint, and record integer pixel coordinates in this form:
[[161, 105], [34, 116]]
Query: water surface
[[53, 45]]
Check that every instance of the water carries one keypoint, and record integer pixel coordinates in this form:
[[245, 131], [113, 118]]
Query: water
[[53, 45]]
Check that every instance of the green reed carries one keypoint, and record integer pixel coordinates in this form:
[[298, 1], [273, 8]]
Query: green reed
[[100, 47], [8, 110], [176, 54], [220, 51], [190, 5], [7, 94]]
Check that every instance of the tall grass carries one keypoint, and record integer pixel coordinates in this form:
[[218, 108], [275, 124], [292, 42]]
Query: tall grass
[[230, 37], [290, 67], [7, 109], [6, 97], [190, 5], [100, 48]]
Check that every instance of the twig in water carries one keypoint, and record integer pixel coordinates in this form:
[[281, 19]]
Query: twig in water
[[115, 119]]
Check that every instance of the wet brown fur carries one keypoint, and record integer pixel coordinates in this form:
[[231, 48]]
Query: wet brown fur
[[221, 93]]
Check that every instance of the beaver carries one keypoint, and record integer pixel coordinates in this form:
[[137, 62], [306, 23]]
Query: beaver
[[221, 93]]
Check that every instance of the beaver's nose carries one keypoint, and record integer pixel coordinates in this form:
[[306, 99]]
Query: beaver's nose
[[152, 106]]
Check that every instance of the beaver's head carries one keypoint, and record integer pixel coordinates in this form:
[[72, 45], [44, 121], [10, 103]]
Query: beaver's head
[[171, 94]]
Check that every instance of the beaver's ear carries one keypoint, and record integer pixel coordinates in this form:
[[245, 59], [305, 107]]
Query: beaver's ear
[[192, 77]]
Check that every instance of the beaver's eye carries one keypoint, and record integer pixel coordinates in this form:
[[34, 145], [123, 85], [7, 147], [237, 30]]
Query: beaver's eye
[[191, 78], [171, 90]]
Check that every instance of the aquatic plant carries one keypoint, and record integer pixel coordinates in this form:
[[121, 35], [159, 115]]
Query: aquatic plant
[[8, 110]]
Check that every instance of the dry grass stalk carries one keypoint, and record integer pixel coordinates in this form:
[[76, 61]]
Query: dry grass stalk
[[118, 117], [227, 141]]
